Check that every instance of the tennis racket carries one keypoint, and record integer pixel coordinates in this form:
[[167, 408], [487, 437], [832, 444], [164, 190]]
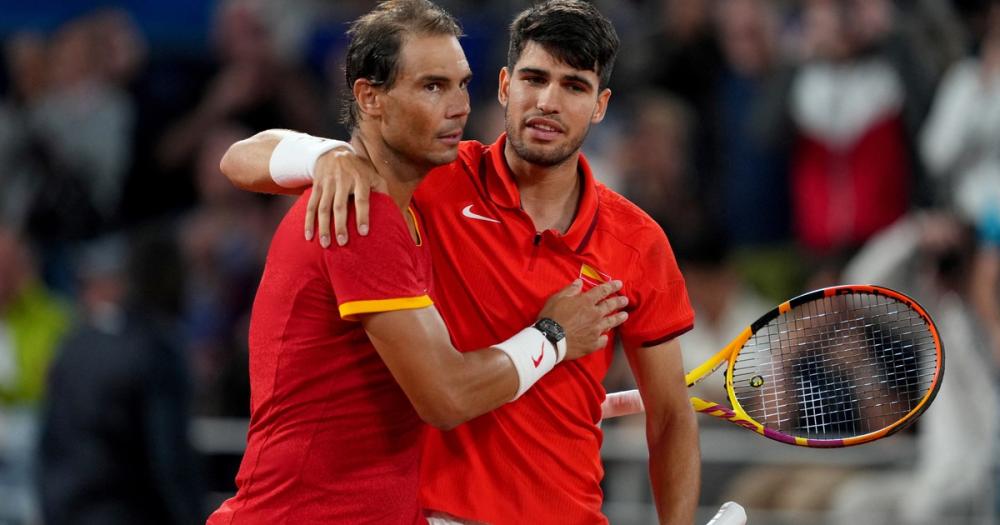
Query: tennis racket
[[835, 367], [730, 513]]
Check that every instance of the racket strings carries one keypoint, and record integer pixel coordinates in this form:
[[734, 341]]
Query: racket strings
[[837, 366], [814, 387], [900, 375]]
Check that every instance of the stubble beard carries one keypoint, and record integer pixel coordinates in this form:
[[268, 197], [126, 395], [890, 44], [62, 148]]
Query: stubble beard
[[539, 156]]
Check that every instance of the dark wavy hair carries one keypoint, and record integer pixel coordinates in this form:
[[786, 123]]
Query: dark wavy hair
[[376, 40], [573, 31]]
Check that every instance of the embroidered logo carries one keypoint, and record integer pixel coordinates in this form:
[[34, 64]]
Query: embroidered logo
[[467, 211]]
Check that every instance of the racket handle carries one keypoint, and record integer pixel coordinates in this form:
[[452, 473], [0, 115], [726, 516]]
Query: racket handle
[[730, 513], [622, 404]]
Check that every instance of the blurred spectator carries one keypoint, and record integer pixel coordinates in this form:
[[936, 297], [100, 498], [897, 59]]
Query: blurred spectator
[[164, 86], [83, 119], [224, 241], [960, 140], [114, 433], [960, 146], [851, 103], [683, 58], [933, 31], [65, 143], [35, 161], [25, 57], [657, 167], [24, 61], [252, 86], [753, 207], [928, 257], [122, 48], [753, 181], [32, 322]]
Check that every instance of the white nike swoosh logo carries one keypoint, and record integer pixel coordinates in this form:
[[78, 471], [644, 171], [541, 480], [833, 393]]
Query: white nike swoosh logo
[[467, 211]]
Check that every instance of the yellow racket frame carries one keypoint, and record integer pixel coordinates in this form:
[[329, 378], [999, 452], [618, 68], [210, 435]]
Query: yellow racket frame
[[738, 415]]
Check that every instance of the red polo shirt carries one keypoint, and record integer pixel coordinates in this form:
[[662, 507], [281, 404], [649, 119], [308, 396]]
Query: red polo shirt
[[536, 460], [333, 438]]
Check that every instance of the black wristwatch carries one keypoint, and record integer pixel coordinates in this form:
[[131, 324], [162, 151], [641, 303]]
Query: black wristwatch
[[551, 330]]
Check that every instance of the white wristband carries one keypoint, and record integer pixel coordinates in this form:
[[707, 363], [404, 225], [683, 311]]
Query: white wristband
[[560, 350], [532, 354], [294, 158]]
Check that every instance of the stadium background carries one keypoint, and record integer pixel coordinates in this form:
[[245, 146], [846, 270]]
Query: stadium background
[[782, 145]]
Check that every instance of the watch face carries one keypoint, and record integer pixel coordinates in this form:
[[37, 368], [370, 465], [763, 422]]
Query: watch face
[[551, 329]]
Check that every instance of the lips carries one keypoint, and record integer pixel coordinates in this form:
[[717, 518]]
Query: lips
[[543, 129], [451, 137], [544, 124]]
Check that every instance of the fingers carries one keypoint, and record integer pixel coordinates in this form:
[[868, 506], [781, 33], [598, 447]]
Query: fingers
[[323, 215], [361, 205], [342, 192], [571, 290], [611, 304], [612, 321], [311, 210], [600, 292]]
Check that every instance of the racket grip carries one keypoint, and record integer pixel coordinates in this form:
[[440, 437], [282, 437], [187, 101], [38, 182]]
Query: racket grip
[[730, 513], [622, 404]]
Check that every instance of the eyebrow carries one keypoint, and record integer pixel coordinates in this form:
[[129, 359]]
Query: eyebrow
[[544, 73], [442, 78]]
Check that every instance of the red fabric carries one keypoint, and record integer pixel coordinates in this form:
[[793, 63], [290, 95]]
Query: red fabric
[[333, 439], [844, 195], [536, 460]]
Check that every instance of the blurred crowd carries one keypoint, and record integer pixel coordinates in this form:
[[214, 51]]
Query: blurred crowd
[[782, 145]]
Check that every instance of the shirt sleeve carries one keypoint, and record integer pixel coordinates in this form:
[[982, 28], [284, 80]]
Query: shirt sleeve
[[660, 309], [379, 272]]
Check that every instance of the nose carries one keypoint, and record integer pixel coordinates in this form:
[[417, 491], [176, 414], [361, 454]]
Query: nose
[[548, 98], [459, 106]]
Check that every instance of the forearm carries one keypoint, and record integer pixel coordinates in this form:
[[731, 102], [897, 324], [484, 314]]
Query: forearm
[[675, 466], [477, 383], [247, 163], [446, 387]]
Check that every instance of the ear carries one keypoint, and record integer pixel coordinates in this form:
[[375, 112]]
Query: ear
[[504, 89], [602, 106], [367, 97]]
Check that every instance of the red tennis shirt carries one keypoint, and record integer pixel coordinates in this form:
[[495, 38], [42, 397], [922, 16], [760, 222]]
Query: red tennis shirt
[[333, 438], [536, 460]]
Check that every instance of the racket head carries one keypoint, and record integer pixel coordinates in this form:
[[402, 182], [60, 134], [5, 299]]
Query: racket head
[[835, 367]]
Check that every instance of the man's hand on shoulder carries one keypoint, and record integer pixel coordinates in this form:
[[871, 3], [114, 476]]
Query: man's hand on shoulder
[[339, 174]]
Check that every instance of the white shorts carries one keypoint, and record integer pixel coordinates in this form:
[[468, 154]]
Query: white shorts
[[441, 518]]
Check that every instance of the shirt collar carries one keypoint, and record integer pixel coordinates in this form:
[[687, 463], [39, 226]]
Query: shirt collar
[[502, 190]]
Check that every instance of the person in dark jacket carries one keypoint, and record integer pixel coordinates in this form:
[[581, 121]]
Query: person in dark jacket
[[114, 432]]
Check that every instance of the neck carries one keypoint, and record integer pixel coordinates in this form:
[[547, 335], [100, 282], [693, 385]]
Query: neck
[[402, 175], [549, 194]]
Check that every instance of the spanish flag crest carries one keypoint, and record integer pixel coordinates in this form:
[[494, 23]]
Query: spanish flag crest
[[592, 277]]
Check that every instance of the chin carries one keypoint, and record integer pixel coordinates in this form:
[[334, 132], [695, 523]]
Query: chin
[[549, 155], [443, 157]]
